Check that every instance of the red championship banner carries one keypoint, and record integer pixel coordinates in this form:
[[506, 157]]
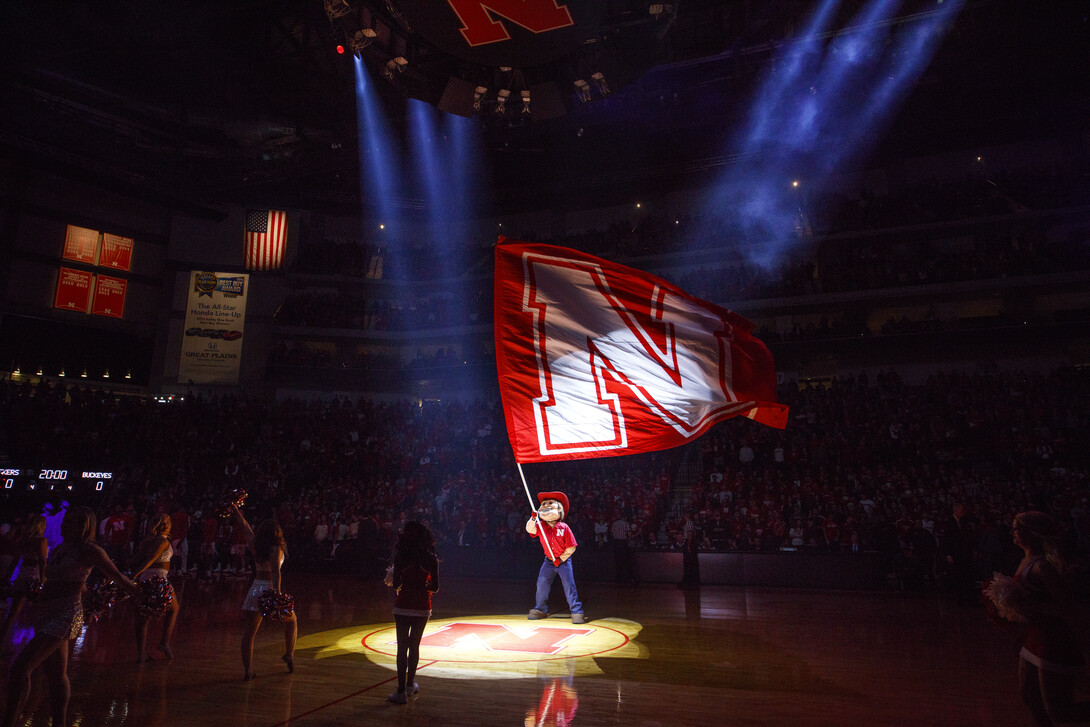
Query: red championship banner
[[597, 359], [73, 290], [109, 296], [116, 252], [80, 244]]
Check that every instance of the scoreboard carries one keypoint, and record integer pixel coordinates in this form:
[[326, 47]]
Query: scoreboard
[[54, 481]]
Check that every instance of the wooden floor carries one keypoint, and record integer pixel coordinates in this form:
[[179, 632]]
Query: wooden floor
[[648, 656]]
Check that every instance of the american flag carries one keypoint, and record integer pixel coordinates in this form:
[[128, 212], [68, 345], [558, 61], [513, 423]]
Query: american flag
[[266, 234]]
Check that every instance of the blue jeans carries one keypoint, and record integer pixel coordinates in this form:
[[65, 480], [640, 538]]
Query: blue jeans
[[545, 578]]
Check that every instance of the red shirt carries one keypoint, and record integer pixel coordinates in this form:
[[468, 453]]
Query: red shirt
[[415, 582], [560, 537]]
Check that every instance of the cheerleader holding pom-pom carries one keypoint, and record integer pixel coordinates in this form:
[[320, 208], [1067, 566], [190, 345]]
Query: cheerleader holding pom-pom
[[158, 600], [270, 551], [1038, 596], [60, 615]]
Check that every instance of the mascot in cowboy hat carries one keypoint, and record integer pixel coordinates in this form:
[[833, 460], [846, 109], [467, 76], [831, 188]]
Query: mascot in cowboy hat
[[558, 542]]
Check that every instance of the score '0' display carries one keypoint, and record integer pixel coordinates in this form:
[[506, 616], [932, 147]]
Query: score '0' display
[[48, 480]]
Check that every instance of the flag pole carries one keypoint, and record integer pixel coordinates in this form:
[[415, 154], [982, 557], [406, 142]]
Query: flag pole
[[531, 499]]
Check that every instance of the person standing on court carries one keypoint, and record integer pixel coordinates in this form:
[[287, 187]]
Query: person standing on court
[[414, 575], [957, 550], [622, 551], [558, 542]]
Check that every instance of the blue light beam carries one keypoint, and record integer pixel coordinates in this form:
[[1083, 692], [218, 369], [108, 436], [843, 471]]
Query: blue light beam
[[379, 157], [823, 106]]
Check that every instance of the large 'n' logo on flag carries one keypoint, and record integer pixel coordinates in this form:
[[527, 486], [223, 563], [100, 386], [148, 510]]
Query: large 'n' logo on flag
[[498, 637], [479, 27], [598, 359], [613, 345]]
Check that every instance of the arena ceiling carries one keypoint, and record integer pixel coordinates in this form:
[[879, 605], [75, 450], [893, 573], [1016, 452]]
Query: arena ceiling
[[248, 101]]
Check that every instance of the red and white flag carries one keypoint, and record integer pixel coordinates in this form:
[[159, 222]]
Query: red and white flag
[[597, 359], [265, 236]]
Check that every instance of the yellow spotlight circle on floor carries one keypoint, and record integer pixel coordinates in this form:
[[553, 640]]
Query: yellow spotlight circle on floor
[[500, 646]]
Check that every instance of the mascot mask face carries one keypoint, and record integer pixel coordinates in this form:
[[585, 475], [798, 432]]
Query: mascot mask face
[[550, 511]]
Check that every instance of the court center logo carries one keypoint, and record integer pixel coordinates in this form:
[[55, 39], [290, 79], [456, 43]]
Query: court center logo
[[497, 646]]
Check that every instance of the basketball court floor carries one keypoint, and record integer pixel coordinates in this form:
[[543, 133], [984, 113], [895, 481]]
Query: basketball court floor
[[649, 656]]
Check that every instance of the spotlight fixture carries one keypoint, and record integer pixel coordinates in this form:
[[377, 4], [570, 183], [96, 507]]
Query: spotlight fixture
[[600, 83], [83, 374], [478, 94], [106, 374], [525, 102], [62, 371], [582, 90], [501, 101], [128, 374], [395, 65], [362, 39], [336, 8]]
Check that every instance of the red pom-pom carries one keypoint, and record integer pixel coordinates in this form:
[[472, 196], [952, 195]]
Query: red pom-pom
[[158, 595], [99, 600], [276, 606]]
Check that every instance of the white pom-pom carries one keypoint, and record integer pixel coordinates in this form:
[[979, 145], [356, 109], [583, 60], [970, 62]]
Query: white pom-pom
[[1005, 593]]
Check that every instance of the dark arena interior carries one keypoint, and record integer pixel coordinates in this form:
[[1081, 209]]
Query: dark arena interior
[[796, 319]]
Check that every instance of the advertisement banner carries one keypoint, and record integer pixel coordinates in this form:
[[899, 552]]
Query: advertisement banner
[[73, 290], [109, 296], [214, 318]]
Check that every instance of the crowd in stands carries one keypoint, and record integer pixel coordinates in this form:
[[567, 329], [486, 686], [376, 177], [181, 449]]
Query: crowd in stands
[[973, 193], [834, 269], [825, 264], [842, 269], [301, 354], [333, 310], [862, 466]]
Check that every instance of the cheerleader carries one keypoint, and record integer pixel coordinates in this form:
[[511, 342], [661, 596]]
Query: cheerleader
[[153, 561], [270, 552], [32, 549], [1051, 657], [60, 615]]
